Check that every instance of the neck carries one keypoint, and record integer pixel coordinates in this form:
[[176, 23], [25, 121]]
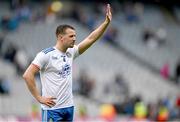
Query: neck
[[60, 48]]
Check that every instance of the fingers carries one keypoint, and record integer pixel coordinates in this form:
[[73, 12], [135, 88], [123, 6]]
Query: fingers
[[108, 8], [49, 101], [108, 12], [53, 98]]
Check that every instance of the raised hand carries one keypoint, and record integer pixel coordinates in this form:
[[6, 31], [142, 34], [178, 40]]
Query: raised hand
[[108, 13]]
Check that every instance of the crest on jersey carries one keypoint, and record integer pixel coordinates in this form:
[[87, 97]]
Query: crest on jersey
[[68, 54]]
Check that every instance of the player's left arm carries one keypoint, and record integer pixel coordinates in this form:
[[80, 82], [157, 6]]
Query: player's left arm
[[97, 33]]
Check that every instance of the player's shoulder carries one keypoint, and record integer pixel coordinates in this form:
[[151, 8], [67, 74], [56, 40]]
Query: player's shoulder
[[48, 50], [72, 49]]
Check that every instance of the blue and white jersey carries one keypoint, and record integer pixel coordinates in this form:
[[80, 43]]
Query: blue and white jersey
[[56, 75]]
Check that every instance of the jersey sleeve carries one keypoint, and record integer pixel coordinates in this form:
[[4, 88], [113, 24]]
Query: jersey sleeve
[[40, 60], [76, 51]]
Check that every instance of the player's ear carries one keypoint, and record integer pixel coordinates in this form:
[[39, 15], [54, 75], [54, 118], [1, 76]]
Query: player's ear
[[59, 36]]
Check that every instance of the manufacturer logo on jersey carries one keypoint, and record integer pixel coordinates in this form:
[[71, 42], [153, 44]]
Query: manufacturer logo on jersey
[[54, 57]]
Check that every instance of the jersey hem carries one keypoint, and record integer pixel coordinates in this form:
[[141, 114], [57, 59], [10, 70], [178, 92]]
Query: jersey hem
[[56, 108]]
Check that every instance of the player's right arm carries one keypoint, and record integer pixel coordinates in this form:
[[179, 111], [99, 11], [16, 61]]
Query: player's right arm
[[29, 77]]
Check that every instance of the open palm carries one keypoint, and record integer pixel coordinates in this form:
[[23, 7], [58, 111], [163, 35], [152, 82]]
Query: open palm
[[108, 13]]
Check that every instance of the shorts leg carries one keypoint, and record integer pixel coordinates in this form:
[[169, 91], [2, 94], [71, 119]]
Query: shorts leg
[[68, 114], [45, 116], [57, 115], [51, 116], [64, 114]]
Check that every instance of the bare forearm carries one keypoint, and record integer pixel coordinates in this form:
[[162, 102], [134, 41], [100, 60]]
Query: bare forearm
[[93, 37], [30, 81], [97, 33], [29, 77]]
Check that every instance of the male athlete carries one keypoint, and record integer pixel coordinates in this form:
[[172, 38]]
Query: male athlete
[[55, 67]]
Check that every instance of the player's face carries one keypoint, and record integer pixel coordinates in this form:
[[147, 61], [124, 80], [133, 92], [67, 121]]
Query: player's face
[[69, 38]]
